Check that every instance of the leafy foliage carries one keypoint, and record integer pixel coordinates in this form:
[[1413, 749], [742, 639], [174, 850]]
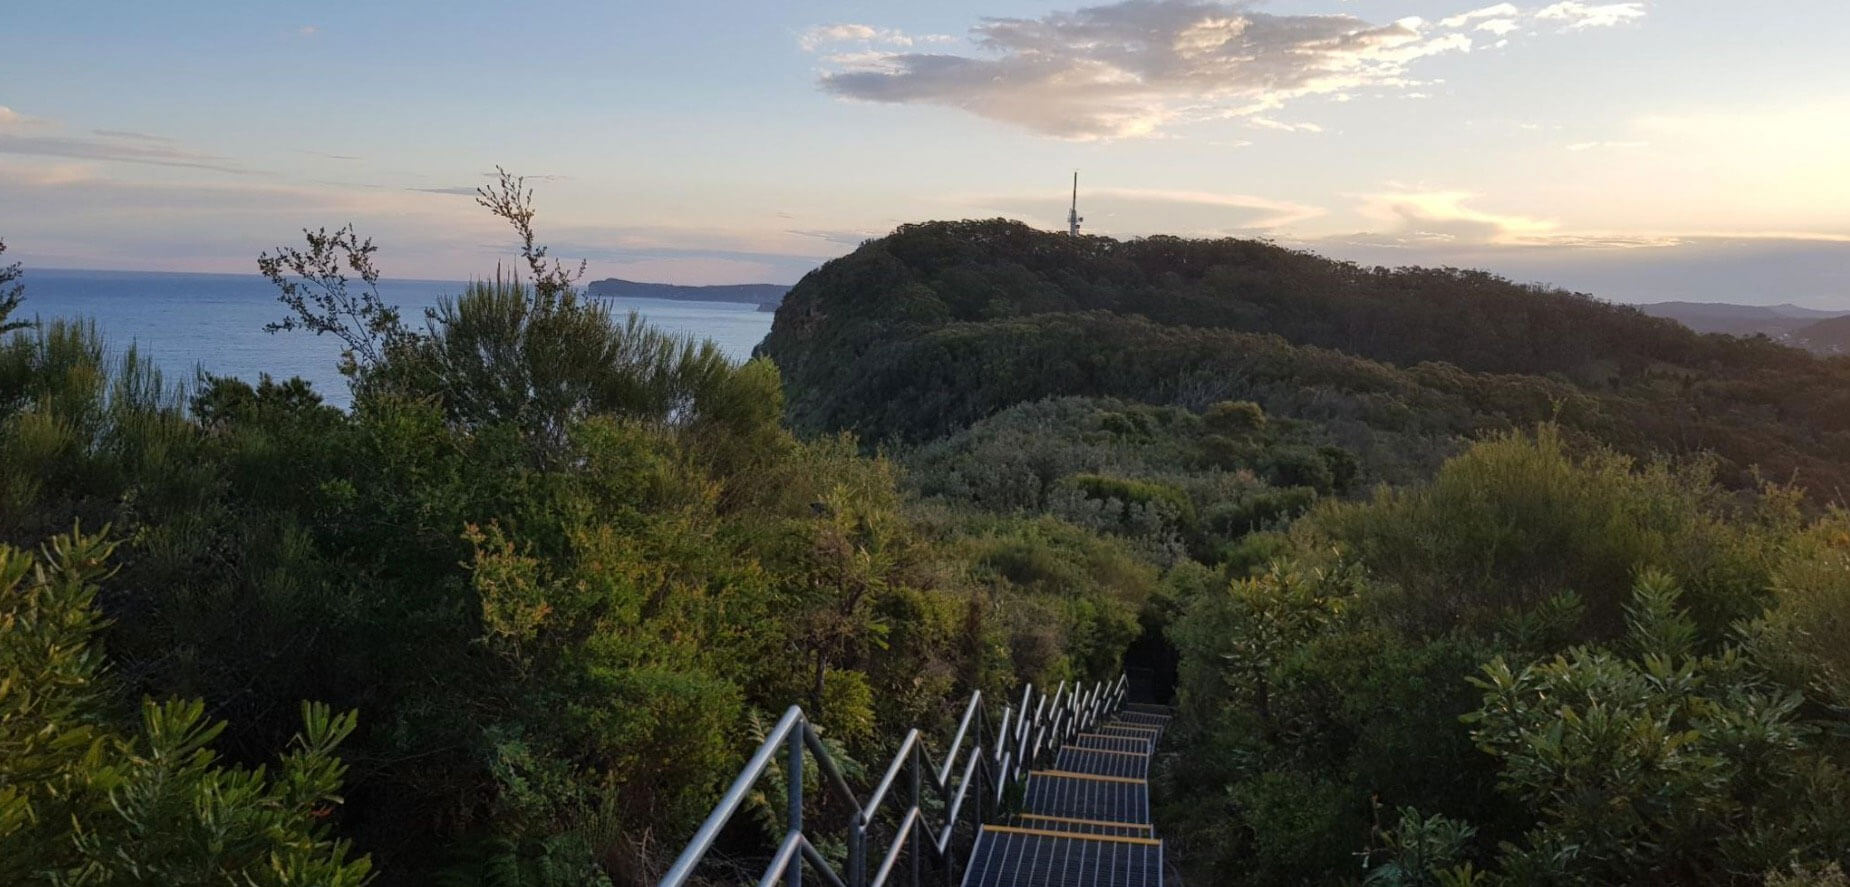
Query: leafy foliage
[[942, 324], [1667, 748], [1663, 765], [556, 559], [12, 292], [565, 567], [87, 799]]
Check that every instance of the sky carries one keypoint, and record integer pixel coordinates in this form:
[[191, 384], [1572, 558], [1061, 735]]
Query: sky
[[1640, 151]]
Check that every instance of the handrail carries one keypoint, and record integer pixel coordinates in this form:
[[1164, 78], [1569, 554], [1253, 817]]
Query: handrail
[[1024, 734], [892, 773]]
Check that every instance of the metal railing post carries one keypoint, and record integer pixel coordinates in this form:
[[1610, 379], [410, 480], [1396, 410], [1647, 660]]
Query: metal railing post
[[982, 771], [918, 822], [857, 851], [794, 770]]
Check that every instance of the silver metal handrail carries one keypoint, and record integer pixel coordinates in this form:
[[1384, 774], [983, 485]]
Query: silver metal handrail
[[1021, 742]]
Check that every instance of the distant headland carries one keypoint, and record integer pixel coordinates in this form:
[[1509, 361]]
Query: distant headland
[[767, 296]]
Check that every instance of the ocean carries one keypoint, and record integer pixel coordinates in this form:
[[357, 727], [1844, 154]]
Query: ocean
[[214, 322]]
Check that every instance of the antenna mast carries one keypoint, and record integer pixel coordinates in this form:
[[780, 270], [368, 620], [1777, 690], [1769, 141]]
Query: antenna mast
[[1072, 215]]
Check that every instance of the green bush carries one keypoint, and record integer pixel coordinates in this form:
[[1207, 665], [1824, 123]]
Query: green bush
[[1658, 765], [1691, 745], [1520, 518], [1234, 417], [86, 799]]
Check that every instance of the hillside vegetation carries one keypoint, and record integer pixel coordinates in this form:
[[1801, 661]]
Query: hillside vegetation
[[1465, 581], [942, 324], [542, 585], [1454, 581]]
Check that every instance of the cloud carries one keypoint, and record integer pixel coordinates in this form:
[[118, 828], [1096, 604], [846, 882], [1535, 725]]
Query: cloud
[[1132, 211], [307, 31], [40, 137], [1499, 11], [826, 35], [84, 218], [1590, 146], [459, 191], [1499, 26], [130, 135], [1429, 217], [1738, 268], [844, 238], [1134, 67], [11, 119], [1575, 15], [1281, 126], [114, 150]]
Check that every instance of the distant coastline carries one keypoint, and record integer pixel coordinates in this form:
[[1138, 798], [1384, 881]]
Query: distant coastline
[[189, 321], [767, 296]]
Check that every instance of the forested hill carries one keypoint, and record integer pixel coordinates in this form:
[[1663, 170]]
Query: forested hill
[[940, 324]]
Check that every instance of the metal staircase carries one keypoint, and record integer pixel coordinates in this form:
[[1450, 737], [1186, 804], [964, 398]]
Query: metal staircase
[[1084, 821], [1056, 794]]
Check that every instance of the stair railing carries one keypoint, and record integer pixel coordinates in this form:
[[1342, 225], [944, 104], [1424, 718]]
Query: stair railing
[[1021, 740]]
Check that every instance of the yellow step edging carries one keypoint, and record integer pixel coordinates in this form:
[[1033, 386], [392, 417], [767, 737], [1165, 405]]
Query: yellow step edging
[[1044, 833], [1099, 822], [1104, 751], [1067, 774], [1103, 736]]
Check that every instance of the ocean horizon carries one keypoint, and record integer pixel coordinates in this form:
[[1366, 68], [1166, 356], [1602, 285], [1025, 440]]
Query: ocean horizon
[[187, 322]]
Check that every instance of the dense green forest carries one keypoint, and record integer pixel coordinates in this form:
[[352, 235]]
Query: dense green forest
[[541, 583], [1464, 581], [1457, 581]]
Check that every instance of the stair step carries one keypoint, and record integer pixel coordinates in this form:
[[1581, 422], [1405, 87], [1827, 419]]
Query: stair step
[[1079, 796], [1084, 822], [1144, 717], [1084, 826], [1103, 762], [1150, 708], [1140, 731], [1013, 857], [1137, 744]]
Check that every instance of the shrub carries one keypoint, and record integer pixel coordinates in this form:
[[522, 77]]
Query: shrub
[[1661, 765], [1234, 417], [84, 799]]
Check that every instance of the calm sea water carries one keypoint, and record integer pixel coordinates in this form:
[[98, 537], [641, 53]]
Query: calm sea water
[[187, 322]]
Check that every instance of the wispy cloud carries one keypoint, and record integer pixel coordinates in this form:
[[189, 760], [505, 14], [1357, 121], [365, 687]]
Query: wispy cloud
[[830, 35], [1413, 217], [307, 31], [1752, 268], [130, 134], [12, 119], [1134, 67], [1132, 211], [1592, 146], [459, 191], [1574, 15], [1282, 126], [1499, 11], [844, 238], [1139, 67], [41, 137], [114, 150]]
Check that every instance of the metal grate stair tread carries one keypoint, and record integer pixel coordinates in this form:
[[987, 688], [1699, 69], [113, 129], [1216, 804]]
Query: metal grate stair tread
[[1084, 819], [1103, 762], [1007, 857]]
